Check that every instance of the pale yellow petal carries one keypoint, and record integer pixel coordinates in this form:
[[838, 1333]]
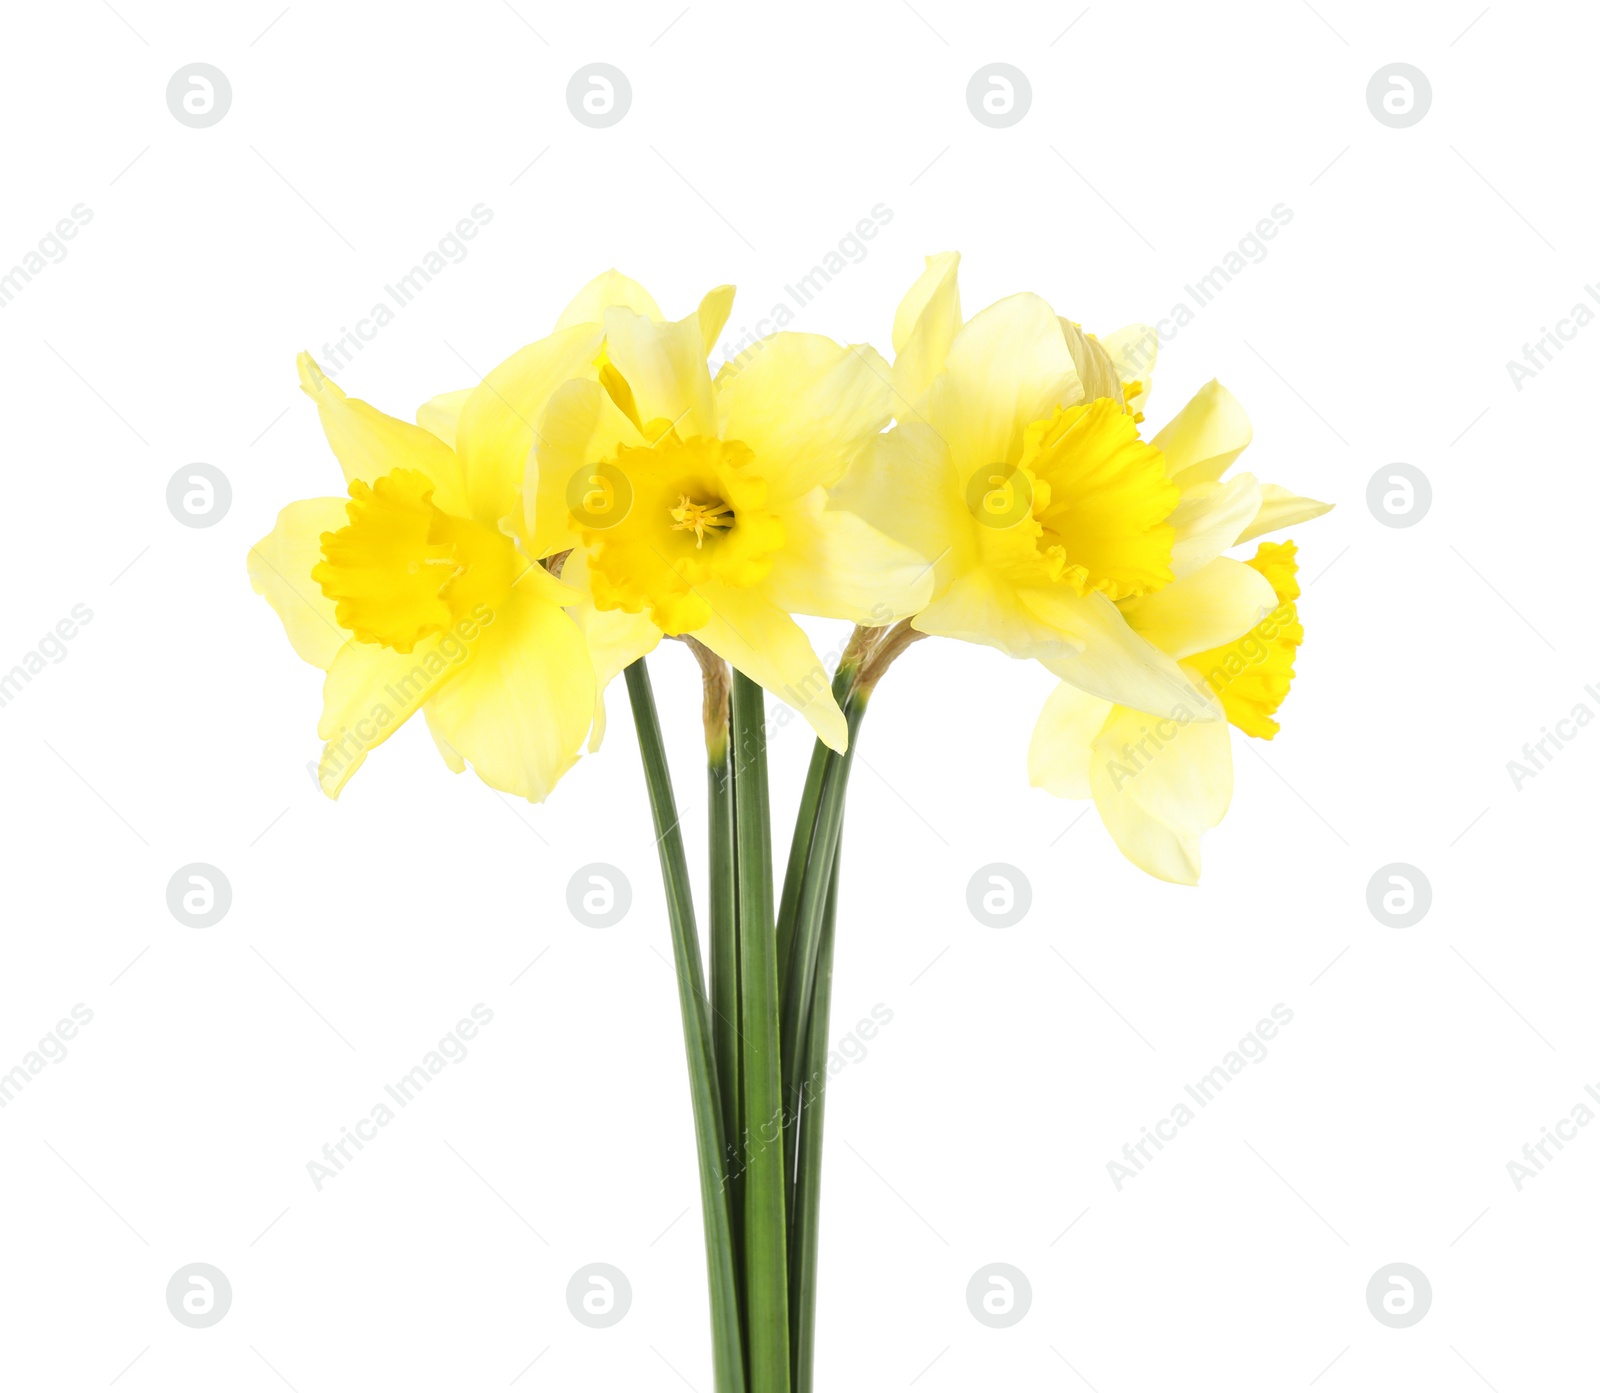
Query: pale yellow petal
[[1217, 604], [765, 644], [1203, 439], [1061, 750], [520, 709], [835, 565], [806, 406], [925, 324], [609, 288], [1007, 367], [614, 637], [1109, 659], [580, 428], [448, 752], [280, 572], [904, 484], [371, 691], [981, 606], [1280, 509], [1159, 784], [1097, 374], [441, 414], [1133, 350], [1209, 518], [715, 307], [497, 426], [369, 444], [664, 366]]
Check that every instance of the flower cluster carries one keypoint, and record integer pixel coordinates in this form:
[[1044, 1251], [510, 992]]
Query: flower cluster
[[498, 563]]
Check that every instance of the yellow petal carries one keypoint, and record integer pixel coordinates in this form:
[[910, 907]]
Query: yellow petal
[[713, 313], [520, 709], [371, 691], [1133, 351], [1110, 660], [1006, 368], [369, 444], [925, 324], [1061, 750], [1209, 518], [609, 288], [806, 406], [1158, 785], [614, 637], [580, 428], [1214, 606], [448, 752], [765, 644], [496, 429], [664, 366], [1203, 439], [1097, 374], [1280, 509], [280, 572], [981, 606], [440, 415], [904, 484], [835, 565]]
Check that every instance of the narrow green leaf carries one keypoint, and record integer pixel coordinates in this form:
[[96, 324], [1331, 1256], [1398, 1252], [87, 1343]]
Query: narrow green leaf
[[727, 1346], [808, 1183], [721, 790], [766, 1267]]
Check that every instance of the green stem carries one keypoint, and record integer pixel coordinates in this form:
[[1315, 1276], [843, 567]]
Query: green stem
[[766, 1267], [804, 823], [800, 994], [724, 870], [808, 1185], [727, 1344]]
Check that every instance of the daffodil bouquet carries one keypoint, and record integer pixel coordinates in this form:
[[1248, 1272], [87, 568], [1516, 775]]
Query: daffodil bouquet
[[497, 564]]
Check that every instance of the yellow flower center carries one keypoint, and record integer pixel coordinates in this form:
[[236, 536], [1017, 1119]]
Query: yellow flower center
[[698, 516], [403, 569], [1251, 675]]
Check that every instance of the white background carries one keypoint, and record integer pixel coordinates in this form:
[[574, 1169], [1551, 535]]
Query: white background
[[979, 1125]]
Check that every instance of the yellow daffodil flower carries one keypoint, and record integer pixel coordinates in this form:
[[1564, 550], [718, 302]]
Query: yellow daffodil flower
[[685, 505], [413, 592], [1017, 463], [1160, 776]]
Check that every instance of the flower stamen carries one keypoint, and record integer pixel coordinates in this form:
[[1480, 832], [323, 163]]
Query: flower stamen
[[689, 516]]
